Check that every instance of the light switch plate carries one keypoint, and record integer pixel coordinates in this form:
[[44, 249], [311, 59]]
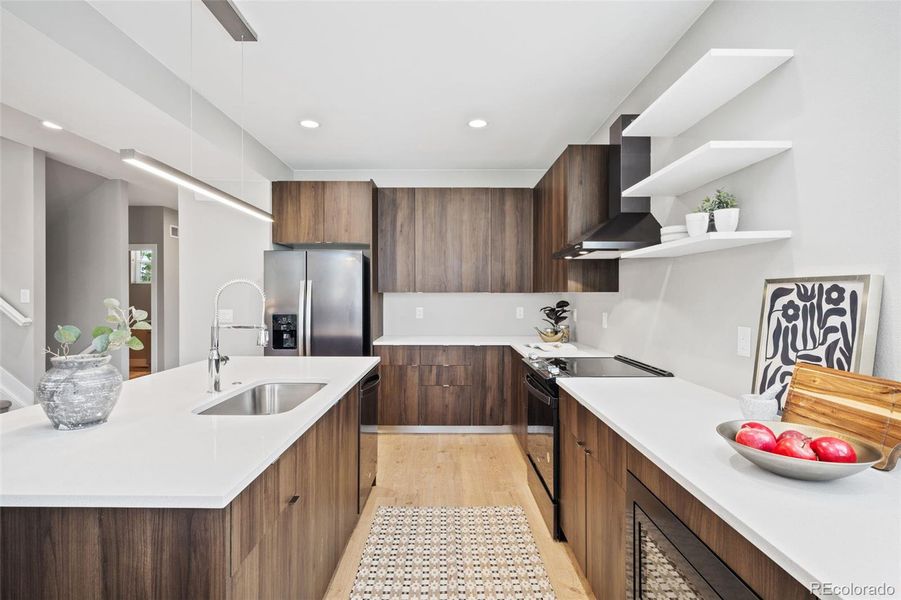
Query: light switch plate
[[744, 342], [226, 316], [24, 296], [420, 312], [604, 320], [520, 312]]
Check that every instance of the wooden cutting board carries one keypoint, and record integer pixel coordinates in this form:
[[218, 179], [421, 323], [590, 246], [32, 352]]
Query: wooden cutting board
[[859, 405]]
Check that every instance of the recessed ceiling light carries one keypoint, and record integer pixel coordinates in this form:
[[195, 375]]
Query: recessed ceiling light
[[478, 123], [309, 124], [51, 125]]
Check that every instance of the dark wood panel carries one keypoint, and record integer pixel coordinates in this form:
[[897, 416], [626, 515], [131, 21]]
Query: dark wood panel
[[298, 211], [399, 395], [348, 211], [469, 230], [252, 513], [489, 402], [518, 398], [441, 375], [764, 576], [348, 451], [396, 240], [592, 275], [585, 189], [511, 239], [445, 355], [438, 267], [572, 493], [398, 355], [605, 537], [445, 405]]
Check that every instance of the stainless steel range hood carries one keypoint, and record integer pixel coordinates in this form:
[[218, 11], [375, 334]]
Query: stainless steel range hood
[[629, 224]]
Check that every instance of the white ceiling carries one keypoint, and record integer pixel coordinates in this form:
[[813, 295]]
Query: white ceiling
[[394, 83]]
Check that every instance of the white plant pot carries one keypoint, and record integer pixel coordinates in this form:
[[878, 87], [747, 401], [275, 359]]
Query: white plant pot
[[726, 219], [696, 223]]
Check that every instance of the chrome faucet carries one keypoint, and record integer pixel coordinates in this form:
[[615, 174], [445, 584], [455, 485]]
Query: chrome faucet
[[215, 361]]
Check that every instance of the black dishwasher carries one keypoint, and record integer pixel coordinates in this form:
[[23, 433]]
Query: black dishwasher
[[369, 445]]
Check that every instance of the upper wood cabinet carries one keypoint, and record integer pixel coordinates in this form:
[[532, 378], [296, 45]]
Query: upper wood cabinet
[[455, 240], [396, 240], [569, 201], [313, 212], [452, 239]]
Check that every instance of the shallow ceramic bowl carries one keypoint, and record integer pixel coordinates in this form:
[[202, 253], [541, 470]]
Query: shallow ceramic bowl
[[798, 468]]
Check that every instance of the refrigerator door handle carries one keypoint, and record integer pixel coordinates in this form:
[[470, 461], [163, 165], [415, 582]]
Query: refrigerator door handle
[[307, 320], [301, 318]]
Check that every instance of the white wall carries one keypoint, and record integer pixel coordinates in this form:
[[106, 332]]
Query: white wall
[[87, 252], [464, 314], [217, 243], [429, 177], [837, 189], [22, 215]]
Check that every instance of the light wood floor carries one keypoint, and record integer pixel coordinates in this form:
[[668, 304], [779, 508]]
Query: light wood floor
[[460, 470]]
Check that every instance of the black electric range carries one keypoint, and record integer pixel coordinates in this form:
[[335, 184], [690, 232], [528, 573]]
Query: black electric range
[[542, 439]]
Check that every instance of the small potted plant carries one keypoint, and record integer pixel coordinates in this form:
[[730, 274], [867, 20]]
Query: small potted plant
[[555, 316], [698, 222], [724, 209], [81, 390]]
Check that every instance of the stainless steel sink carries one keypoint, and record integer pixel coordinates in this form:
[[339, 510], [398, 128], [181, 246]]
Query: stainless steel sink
[[266, 399]]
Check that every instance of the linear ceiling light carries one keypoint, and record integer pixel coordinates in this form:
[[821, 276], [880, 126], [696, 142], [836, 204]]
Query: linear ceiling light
[[161, 169], [232, 20]]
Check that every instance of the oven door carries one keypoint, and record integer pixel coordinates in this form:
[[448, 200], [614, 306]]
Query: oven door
[[541, 433]]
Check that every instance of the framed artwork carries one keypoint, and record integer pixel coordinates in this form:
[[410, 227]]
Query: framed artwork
[[827, 321]]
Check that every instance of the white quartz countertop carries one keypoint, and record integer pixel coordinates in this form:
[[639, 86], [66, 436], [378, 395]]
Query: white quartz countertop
[[155, 451], [521, 343], [845, 532]]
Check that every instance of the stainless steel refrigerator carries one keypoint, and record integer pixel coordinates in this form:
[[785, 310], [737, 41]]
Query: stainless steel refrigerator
[[317, 302]]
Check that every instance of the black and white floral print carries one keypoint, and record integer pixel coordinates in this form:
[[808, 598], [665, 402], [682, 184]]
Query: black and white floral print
[[810, 322]]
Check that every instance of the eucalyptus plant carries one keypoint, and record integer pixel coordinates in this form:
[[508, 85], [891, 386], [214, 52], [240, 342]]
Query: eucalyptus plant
[[114, 335], [722, 199]]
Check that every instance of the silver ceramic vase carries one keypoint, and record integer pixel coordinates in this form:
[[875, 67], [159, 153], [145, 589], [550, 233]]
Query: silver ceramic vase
[[79, 391]]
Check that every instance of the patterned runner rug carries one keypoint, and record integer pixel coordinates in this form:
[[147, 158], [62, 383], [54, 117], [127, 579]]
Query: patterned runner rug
[[446, 552]]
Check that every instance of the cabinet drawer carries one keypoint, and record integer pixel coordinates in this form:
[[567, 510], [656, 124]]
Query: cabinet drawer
[[445, 405], [445, 355], [398, 355], [455, 375]]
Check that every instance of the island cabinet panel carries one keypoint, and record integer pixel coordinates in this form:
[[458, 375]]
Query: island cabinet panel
[[313, 212], [572, 492], [396, 240], [253, 513], [518, 398]]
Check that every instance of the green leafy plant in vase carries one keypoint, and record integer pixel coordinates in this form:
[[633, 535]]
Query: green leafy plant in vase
[[555, 316], [81, 390], [723, 210]]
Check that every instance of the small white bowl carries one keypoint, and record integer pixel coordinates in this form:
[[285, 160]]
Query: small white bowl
[[757, 408]]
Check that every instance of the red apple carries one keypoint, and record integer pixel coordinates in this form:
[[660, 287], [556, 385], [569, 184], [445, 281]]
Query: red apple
[[791, 433], [756, 425], [756, 438], [830, 449], [795, 448]]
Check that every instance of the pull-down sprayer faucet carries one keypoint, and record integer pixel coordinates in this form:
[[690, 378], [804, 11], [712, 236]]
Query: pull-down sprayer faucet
[[215, 361]]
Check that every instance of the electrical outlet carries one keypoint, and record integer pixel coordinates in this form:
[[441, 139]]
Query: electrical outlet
[[575, 314], [420, 312], [604, 320], [520, 312], [744, 341], [226, 316], [24, 296]]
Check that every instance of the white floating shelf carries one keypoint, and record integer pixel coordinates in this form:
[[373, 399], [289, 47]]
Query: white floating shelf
[[705, 164], [709, 242], [719, 76]]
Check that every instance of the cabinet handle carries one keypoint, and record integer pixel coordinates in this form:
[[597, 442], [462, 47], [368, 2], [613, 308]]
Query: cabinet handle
[[445, 386], [587, 452], [293, 499], [580, 444]]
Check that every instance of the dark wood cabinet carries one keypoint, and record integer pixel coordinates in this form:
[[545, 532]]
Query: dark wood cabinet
[[511, 240], [572, 491], [397, 240], [313, 212], [568, 201], [399, 388], [445, 405], [281, 537], [518, 399], [490, 400]]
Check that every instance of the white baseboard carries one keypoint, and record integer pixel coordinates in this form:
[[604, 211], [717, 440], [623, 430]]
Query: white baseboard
[[470, 429], [14, 390]]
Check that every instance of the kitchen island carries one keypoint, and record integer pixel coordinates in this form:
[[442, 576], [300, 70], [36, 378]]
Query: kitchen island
[[164, 502], [842, 533]]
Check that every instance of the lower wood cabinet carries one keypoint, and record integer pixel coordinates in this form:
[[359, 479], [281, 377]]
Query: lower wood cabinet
[[595, 464], [281, 537], [445, 385], [517, 397]]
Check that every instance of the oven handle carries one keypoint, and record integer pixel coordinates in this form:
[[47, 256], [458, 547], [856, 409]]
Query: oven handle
[[536, 391]]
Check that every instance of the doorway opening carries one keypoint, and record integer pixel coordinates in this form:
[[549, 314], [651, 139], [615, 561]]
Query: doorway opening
[[142, 294]]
